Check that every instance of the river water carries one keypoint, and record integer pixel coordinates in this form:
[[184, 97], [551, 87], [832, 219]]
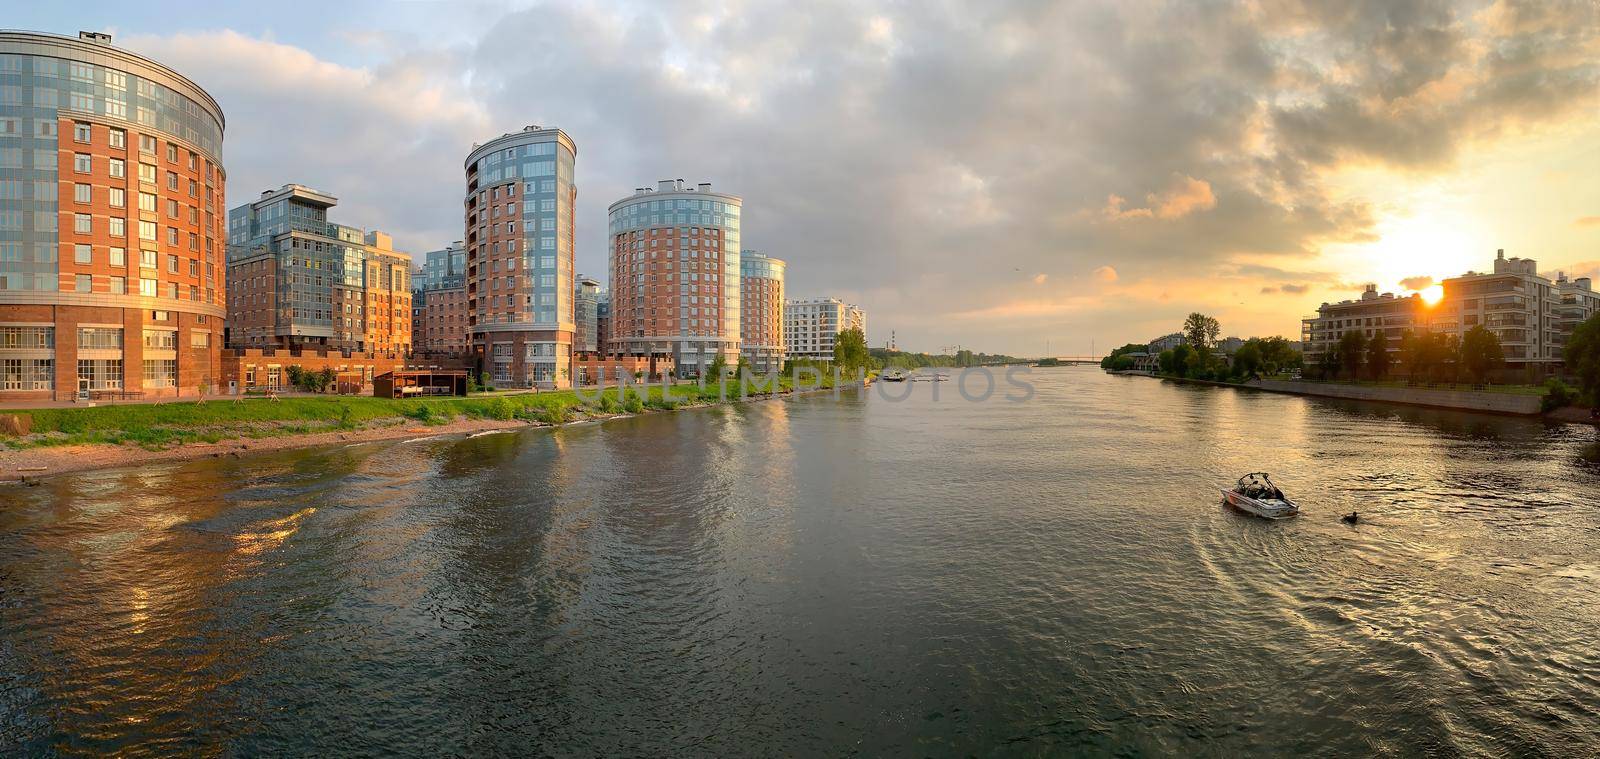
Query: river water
[[828, 575]]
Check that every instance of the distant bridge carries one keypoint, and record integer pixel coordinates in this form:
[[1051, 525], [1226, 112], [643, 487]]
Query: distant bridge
[[1076, 359]]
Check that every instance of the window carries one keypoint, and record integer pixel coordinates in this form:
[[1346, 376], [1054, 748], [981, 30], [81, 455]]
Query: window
[[119, 285], [81, 163], [172, 208], [118, 226], [119, 257], [119, 168], [147, 288], [81, 193], [27, 374], [82, 223], [82, 254], [199, 339], [160, 372], [83, 283], [100, 338], [147, 202], [172, 181], [100, 373], [119, 138], [147, 173], [147, 259], [161, 339], [172, 153], [172, 264], [147, 144], [81, 132], [118, 197], [147, 230]]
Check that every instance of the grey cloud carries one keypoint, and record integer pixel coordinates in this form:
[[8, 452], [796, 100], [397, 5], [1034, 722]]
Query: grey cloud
[[917, 156]]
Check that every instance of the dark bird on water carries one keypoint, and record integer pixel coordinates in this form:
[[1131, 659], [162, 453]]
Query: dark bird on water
[[1350, 518]]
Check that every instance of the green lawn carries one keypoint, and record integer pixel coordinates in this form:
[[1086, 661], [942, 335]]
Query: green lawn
[[167, 424]]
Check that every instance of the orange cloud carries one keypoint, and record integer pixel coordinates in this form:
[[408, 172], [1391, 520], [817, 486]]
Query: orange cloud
[[1105, 274], [1416, 283], [1185, 195], [1588, 221], [1039, 279]]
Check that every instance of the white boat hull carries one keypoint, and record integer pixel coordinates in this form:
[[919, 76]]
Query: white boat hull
[[1268, 508]]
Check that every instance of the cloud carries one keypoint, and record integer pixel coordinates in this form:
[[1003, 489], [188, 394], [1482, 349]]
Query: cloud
[[387, 140], [934, 149], [1290, 289], [1416, 283], [1105, 274], [1184, 196], [1039, 279], [1587, 221]]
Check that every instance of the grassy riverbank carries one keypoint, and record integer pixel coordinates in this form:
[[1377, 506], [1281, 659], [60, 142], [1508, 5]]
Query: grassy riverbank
[[158, 426]]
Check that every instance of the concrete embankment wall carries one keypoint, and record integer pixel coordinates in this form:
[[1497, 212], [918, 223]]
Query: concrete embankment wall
[[1499, 403]]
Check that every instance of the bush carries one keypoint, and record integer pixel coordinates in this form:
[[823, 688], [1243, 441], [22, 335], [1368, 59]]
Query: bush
[[552, 414], [1557, 394], [423, 413], [635, 405]]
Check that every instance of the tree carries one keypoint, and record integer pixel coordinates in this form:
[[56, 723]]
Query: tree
[[1582, 356], [1247, 360], [1200, 330], [1352, 349], [1378, 358], [850, 351], [1413, 354], [1106, 363], [1481, 353], [1168, 361], [719, 367], [1330, 363], [328, 378], [1181, 356]]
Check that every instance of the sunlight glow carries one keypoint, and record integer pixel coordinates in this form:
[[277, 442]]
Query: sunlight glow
[[1432, 294]]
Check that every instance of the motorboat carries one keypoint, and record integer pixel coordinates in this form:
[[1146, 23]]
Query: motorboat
[[1256, 494], [895, 375]]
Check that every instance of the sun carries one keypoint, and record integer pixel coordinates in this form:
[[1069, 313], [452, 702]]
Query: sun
[[1432, 294]]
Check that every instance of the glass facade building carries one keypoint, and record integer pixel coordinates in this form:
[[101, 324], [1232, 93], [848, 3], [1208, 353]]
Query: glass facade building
[[302, 281], [675, 274], [111, 187], [761, 310], [519, 211]]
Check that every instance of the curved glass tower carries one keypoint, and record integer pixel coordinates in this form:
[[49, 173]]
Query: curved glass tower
[[675, 274], [111, 223], [520, 211]]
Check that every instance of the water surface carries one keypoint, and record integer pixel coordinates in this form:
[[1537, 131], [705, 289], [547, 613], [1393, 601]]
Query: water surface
[[828, 575]]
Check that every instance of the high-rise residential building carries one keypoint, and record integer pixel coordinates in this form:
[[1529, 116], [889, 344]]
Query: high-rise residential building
[[602, 323], [301, 281], [439, 302], [586, 315], [675, 274], [761, 310], [810, 326], [519, 211], [111, 239]]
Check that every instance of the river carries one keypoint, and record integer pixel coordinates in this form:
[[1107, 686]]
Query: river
[[828, 575]]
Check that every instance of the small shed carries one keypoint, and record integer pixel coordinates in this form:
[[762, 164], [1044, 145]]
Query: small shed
[[420, 383]]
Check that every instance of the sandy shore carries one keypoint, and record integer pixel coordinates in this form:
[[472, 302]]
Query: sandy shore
[[30, 463], [43, 462]]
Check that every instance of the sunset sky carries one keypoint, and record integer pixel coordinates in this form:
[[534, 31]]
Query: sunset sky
[[988, 174]]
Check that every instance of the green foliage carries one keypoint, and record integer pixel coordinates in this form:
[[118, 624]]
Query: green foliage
[[1247, 360], [1557, 394], [850, 352], [718, 368], [1582, 356], [1200, 330], [1481, 353], [1352, 353], [634, 405], [1120, 363], [1110, 360], [1378, 359]]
